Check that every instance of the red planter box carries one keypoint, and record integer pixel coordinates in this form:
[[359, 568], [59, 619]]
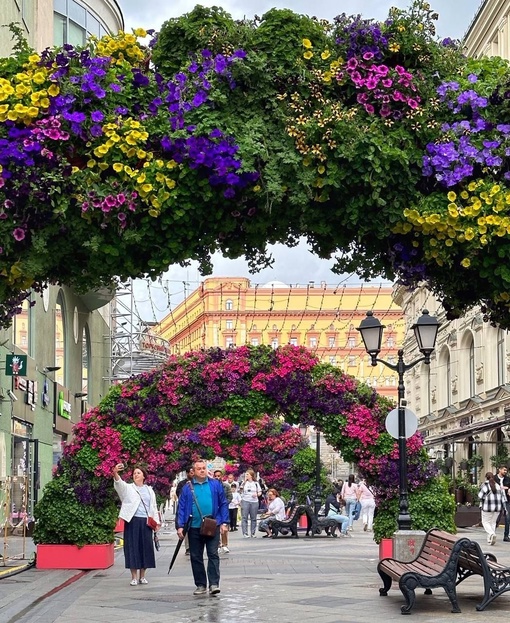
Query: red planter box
[[74, 557], [386, 549]]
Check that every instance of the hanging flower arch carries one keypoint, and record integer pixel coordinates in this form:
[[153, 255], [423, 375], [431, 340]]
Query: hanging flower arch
[[380, 144], [240, 404]]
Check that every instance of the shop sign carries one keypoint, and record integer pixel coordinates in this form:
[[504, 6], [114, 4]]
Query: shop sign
[[63, 407], [16, 365]]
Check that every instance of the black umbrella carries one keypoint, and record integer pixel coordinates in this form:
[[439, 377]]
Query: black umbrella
[[179, 543]]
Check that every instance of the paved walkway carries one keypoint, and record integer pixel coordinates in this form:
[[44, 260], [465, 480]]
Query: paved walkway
[[323, 580]]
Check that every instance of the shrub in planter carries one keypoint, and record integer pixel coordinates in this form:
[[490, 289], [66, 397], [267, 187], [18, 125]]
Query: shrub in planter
[[432, 506]]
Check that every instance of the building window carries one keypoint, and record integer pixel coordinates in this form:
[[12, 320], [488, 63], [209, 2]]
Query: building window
[[351, 362], [21, 327], [274, 343], [472, 377], [501, 353], [254, 341], [229, 342], [332, 360], [313, 342], [331, 342], [230, 324], [293, 341], [351, 342], [229, 305], [449, 399], [85, 365], [390, 342], [60, 339]]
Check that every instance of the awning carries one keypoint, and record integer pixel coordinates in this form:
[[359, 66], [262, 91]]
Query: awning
[[468, 431]]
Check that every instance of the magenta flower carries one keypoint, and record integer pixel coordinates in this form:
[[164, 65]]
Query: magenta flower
[[19, 234]]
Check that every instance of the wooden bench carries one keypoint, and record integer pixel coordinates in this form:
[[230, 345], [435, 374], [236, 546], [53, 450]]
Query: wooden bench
[[436, 565], [290, 523], [496, 577], [327, 524]]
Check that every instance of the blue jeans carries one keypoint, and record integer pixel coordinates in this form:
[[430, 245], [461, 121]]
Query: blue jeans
[[197, 542], [342, 520], [249, 510], [349, 509]]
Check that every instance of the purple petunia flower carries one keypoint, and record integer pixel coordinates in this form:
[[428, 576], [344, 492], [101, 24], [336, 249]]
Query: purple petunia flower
[[19, 234]]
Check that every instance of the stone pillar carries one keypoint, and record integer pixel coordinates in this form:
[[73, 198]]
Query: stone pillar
[[407, 544]]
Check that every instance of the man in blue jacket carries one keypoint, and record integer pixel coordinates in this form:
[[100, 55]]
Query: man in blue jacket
[[203, 497]]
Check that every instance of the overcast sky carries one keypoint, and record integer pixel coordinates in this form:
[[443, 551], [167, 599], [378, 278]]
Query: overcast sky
[[296, 265]]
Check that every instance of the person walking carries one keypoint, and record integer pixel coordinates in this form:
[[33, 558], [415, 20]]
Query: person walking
[[349, 494], [367, 499], [234, 506], [138, 503], [250, 503], [218, 474], [504, 482], [492, 503], [203, 497], [178, 490]]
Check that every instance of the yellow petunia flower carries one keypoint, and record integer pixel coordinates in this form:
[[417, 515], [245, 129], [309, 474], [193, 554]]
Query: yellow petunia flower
[[466, 262], [325, 55], [308, 55], [307, 43]]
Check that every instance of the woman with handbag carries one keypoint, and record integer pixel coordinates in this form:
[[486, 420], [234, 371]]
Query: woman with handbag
[[139, 512], [350, 494], [250, 503]]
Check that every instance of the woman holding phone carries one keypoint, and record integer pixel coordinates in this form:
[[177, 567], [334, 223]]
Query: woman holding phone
[[138, 503]]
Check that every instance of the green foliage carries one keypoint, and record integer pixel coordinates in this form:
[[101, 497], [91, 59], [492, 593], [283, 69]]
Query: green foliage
[[303, 473], [432, 506], [61, 519]]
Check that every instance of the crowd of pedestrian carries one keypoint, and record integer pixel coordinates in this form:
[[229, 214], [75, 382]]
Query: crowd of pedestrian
[[208, 508]]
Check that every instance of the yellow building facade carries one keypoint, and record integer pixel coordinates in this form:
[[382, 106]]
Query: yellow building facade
[[230, 311]]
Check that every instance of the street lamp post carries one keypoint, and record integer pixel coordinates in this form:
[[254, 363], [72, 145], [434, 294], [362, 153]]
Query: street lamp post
[[317, 502], [425, 331]]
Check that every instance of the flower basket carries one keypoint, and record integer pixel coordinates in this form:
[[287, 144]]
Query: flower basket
[[74, 557]]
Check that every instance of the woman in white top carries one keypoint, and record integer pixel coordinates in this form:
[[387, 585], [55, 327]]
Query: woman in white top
[[138, 503], [366, 497], [250, 503], [350, 495], [275, 510]]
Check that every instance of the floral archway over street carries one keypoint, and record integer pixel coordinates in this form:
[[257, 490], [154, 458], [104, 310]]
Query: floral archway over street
[[239, 404], [383, 146]]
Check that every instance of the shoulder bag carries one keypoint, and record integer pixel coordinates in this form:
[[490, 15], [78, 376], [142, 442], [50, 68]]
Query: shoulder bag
[[151, 522], [208, 524]]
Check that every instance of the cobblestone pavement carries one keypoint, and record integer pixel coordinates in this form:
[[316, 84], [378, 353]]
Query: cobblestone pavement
[[323, 580]]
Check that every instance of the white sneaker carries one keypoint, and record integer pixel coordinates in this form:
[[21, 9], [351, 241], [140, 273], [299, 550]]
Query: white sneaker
[[246, 536], [492, 539], [225, 549]]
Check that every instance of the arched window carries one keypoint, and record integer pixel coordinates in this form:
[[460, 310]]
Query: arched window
[[60, 339], [501, 354], [229, 305]]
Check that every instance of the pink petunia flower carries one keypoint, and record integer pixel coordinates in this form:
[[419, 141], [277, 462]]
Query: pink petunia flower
[[19, 234]]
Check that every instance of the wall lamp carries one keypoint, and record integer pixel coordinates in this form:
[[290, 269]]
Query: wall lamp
[[81, 395], [47, 369]]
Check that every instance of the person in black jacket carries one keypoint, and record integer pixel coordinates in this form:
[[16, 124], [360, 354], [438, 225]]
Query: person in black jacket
[[333, 510], [504, 482]]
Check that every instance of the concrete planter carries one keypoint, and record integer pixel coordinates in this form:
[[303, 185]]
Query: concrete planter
[[74, 557]]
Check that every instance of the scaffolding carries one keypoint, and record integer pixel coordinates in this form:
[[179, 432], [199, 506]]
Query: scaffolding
[[133, 347]]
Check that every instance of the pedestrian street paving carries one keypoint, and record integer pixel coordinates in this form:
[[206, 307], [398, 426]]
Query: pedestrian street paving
[[322, 580]]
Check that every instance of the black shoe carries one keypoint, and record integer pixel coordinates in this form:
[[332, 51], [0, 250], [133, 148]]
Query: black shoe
[[506, 538]]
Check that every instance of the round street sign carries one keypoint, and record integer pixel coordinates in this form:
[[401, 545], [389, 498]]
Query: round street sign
[[392, 423]]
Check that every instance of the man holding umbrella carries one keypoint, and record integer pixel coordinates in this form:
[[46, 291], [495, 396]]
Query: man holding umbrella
[[204, 497]]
